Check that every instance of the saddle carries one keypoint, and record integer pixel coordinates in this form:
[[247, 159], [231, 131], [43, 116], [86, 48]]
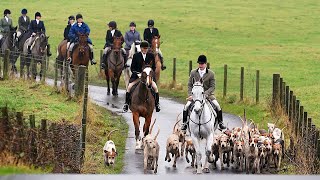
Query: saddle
[[135, 86]]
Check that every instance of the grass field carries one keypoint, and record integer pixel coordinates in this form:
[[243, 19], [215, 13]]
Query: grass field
[[272, 36], [45, 102]]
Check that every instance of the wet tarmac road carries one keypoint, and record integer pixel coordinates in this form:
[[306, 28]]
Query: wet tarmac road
[[166, 119]]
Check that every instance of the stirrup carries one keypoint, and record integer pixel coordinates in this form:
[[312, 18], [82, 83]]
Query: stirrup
[[184, 126], [93, 62], [158, 108]]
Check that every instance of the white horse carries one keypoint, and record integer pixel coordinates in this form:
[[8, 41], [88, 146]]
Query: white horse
[[202, 124], [135, 47]]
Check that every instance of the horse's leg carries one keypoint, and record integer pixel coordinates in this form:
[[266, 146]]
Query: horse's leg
[[209, 142], [106, 72], [146, 125], [136, 123], [198, 154]]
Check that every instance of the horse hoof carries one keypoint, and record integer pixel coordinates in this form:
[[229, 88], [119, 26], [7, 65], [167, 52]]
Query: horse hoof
[[108, 93], [174, 166], [206, 170]]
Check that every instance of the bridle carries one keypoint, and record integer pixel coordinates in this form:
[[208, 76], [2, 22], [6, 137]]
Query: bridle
[[202, 102]]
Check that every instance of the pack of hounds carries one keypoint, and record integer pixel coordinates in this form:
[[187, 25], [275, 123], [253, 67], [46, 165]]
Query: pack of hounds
[[247, 148]]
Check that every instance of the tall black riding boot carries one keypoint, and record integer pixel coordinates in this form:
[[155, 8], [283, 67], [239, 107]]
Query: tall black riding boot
[[157, 102], [184, 120], [48, 50], [126, 104], [220, 120], [163, 67], [103, 63], [92, 59]]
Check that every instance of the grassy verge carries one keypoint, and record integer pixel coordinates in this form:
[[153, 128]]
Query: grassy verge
[[45, 102]]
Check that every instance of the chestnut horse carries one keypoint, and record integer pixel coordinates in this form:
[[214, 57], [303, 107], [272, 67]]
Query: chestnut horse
[[114, 65], [155, 45], [61, 58], [142, 103], [80, 53]]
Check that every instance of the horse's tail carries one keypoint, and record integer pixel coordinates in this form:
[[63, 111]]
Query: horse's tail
[[111, 133], [174, 127], [155, 137], [152, 126]]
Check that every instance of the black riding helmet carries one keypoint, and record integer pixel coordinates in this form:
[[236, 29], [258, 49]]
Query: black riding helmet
[[6, 11], [24, 11], [202, 59], [150, 23], [144, 44], [37, 14], [71, 17], [78, 16], [112, 24], [132, 24]]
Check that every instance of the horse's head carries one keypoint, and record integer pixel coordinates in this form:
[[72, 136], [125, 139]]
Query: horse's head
[[117, 43], [83, 42], [43, 39], [147, 75], [198, 95], [155, 44]]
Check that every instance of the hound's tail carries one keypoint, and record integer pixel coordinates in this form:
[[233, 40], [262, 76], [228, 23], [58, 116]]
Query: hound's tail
[[111, 133]]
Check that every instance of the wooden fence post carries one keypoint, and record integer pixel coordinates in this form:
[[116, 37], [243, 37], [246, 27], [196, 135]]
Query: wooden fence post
[[190, 67], [241, 83], [293, 112], [276, 90], [287, 99], [280, 93], [257, 86], [174, 70], [309, 130], [290, 105], [313, 136], [297, 119], [56, 74], [44, 68], [301, 121], [225, 80], [32, 121], [67, 73], [6, 61], [43, 126], [84, 118], [284, 97], [80, 80]]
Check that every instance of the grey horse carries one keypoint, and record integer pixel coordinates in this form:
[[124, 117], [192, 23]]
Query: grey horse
[[38, 55], [8, 43]]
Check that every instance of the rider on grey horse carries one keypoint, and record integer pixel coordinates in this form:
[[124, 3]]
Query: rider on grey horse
[[112, 32], [37, 26], [209, 87], [82, 28], [5, 23], [130, 37], [139, 61], [23, 22]]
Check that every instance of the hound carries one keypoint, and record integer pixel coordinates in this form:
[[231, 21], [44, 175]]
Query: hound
[[110, 151]]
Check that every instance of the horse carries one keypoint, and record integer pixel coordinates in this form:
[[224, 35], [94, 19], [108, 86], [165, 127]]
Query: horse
[[8, 42], [80, 53], [135, 47], [155, 45], [202, 124], [61, 58], [142, 103], [38, 54], [115, 65]]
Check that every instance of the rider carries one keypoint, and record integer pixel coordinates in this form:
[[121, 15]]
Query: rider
[[209, 87], [23, 22], [82, 28], [148, 34], [71, 22], [139, 60], [5, 23], [37, 26], [131, 36], [112, 32]]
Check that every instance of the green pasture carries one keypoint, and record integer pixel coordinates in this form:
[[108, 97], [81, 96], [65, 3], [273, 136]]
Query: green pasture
[[46, 103], [271, 36]]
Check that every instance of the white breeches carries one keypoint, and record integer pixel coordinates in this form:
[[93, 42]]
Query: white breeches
[[154, 86], [215, 102]]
